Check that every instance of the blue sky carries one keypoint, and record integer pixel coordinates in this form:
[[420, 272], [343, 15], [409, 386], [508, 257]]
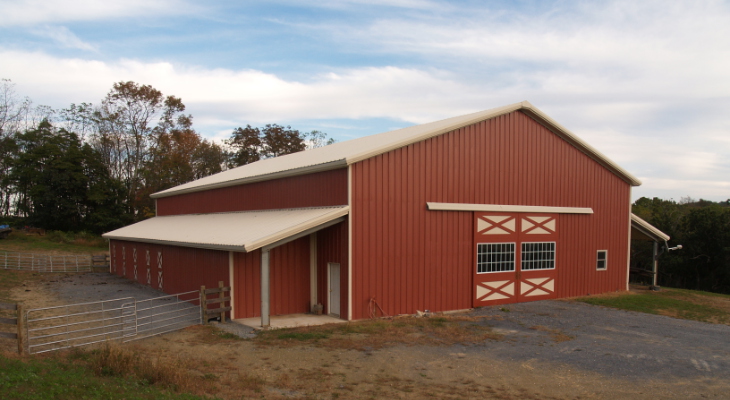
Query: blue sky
[[647, 83]]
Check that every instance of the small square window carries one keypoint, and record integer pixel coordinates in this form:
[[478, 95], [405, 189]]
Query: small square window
[[602, 259]]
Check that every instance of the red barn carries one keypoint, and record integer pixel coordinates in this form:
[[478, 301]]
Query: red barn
[[499, 206]]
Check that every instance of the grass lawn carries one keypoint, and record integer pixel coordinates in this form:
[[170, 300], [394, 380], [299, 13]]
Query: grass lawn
[[55, 243], [678, 303], [51, 378], [379, 333]]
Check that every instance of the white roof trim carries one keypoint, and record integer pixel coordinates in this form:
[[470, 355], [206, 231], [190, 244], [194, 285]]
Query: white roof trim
[[647, 228], [339, 155], [506, 208], [237, 231]]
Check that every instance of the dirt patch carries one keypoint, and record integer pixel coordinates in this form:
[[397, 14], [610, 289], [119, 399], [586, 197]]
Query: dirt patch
[[557, 335], [422, 358]]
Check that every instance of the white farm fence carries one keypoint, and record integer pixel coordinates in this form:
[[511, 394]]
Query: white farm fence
[[125, 319], [50, 263]]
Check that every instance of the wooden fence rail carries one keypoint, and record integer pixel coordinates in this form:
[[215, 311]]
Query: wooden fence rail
[[221, 300], [19, 321]]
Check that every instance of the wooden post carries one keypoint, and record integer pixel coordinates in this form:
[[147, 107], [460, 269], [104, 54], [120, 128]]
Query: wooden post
[[221, 295], [22, 337], [203, 306]]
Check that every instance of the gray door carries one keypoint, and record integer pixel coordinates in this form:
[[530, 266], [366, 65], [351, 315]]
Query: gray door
[[334, 283]]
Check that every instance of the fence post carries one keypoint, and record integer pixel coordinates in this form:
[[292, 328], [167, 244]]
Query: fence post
[[22, 330], [203, 306], [222, 303]]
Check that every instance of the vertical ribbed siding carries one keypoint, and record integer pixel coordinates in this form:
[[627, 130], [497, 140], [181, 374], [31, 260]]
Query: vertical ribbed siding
[[290, 278], [332, 247], [409, 258], [183, 268], [328, 188], [247, 284]]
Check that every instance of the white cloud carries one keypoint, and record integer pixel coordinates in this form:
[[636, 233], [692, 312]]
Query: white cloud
[[30, 12], [64, 37], [647, 83]]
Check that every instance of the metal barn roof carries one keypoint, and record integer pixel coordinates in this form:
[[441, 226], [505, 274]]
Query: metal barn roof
[[237, 231], [339, 155], [642, 230]]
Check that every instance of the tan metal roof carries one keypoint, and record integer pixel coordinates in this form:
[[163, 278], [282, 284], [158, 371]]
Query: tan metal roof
[[238, 231], [339, 155], [649, 231]]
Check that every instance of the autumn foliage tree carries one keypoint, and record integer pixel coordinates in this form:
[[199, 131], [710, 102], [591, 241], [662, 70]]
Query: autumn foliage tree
[[94, 167], [251, 144]]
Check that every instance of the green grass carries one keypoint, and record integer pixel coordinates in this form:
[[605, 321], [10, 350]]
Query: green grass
[[374, 334], [54, 241], [54, 379], [678, 303]]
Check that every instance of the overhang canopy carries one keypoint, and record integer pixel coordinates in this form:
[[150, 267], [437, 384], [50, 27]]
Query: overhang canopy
[[236, 231], [642, 230]]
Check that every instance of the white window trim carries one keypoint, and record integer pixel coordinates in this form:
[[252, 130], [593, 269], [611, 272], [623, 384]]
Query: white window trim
[[514, 261], [555, 258], [605, 260]]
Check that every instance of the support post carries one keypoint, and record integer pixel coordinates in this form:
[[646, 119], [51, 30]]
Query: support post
[[265, 306], [203, 306], [221, 295], [655, 267], [312, 271], [22, 321]]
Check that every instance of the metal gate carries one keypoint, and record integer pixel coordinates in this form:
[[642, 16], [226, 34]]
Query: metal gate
[[167, 314], [124, 319]]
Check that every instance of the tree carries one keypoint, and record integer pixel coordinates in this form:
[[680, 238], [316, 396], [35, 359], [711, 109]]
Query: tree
[[178, 156], [12, 109], [125, 127], [703, 228], [251, 144], [62, 183]]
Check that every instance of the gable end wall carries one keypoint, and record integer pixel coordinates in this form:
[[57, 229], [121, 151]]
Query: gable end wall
[[407, 258]]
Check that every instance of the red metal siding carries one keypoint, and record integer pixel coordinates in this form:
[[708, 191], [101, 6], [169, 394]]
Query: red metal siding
[[290, 278], [409, 258], [183, 268], [328, 188], [332, 247], [247, 284]]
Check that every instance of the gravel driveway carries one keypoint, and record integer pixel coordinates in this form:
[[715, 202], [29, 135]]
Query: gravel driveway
[[619, 344], [616, 343]]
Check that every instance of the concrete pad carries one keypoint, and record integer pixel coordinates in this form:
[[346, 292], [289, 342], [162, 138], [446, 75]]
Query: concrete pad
[[290, 321]]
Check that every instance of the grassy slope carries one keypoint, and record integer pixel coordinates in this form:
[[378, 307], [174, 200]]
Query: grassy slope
[[678, 303], [54, 242]]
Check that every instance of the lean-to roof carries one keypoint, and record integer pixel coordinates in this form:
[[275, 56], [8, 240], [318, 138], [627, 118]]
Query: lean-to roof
[[234, 231], [342, 154], [646, 230]]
